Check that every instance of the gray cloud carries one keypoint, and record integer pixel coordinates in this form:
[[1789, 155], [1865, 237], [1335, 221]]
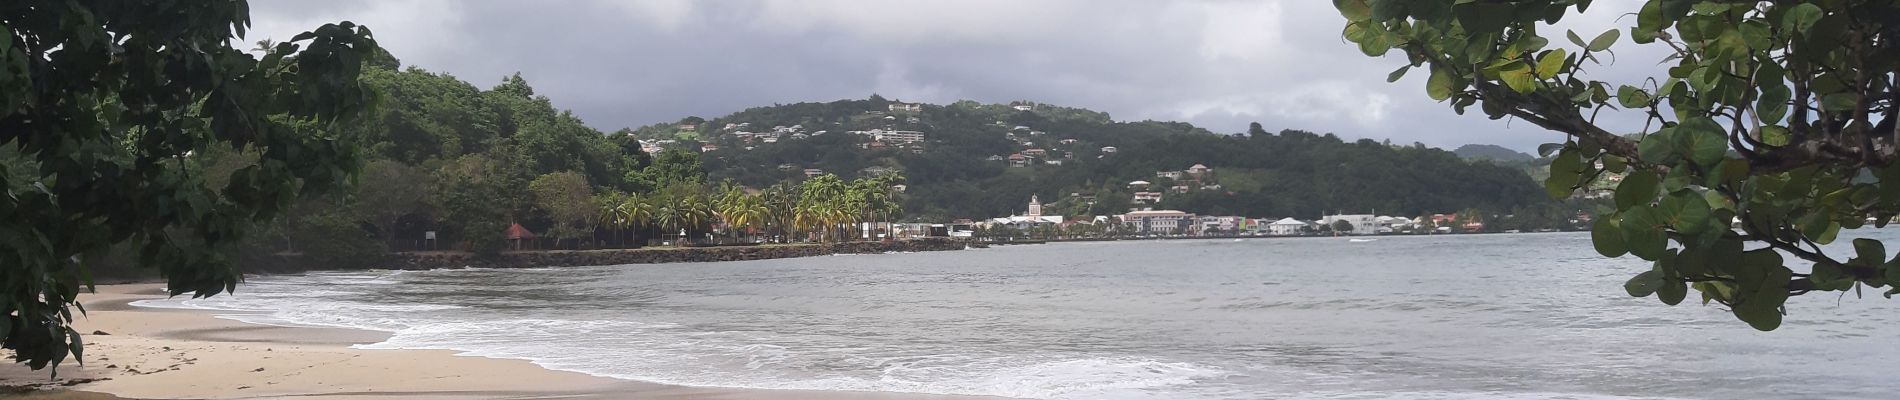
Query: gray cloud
[[1218, 64]]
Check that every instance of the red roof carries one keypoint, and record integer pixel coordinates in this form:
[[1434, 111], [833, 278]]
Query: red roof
[[517, 232]]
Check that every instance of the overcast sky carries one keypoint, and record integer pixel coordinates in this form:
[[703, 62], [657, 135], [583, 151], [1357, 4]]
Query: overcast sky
[[1217, 64]]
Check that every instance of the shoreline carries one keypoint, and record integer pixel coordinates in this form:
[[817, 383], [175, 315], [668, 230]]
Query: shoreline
[[153, 353], [596, 257]]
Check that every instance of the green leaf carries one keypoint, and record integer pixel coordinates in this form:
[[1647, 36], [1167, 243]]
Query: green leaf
[[1870, 251], [1397, 73], [1642, 232], [1564, 174], [1672, 291], [1656, 148], [1574, 39], [1604, 40], [1441, 84], [1703, 140], [1546, 149], [1689, 212], [1639, 187], [1644, 284], [1801, 18], [1608, 238], [1839, 102], [1773, 105], [1615, 164], [1631, 97], [1519, 77], [1551, 64]]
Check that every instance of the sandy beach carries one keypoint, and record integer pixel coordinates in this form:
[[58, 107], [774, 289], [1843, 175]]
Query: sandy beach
[[144, 353]]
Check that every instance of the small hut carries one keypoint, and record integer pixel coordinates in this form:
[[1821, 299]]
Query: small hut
[[519, 238]]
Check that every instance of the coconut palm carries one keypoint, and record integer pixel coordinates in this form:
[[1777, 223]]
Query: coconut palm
[[610, 217], [666, 214], [742, 212]]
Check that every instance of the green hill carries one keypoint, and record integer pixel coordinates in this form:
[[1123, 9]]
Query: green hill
[[955, 172], [1491, 152]]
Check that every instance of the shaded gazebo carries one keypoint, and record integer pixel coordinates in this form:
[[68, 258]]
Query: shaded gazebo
[[517, 236]]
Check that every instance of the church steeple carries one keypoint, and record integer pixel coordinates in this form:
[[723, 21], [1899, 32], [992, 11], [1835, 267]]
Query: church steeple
[[1035, 206]]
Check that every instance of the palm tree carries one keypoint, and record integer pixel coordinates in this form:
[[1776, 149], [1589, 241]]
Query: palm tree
[[694, 212], [610, 216], [666, 214], [742, 212], [636, 211]]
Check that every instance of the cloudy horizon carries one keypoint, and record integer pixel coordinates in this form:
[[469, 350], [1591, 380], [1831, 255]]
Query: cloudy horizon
[[1217, 64]]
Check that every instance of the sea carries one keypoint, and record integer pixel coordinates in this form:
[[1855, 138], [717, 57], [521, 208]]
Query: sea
[[1510, 316]]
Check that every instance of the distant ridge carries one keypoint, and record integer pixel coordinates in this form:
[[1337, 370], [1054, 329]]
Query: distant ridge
[[1490, 152]]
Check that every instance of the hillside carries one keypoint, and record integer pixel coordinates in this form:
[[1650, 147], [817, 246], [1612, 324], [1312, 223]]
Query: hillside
[[1491, 152], [971, 160]]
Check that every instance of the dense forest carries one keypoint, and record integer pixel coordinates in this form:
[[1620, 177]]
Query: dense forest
[[959, 171]]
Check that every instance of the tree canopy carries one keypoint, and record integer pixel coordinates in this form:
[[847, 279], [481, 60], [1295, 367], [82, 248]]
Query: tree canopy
[[104, 107], [1769, 129]]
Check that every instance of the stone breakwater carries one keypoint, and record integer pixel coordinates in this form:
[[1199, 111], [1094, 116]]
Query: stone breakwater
[[649, 255]]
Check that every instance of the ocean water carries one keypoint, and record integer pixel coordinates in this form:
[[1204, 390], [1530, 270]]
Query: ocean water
[[1535, 316]]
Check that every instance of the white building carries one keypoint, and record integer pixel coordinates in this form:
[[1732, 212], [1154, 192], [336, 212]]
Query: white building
[[897, 137], [1223, 225], [1031, 218], [1159, 222], [1286, 227], [1362, 224]]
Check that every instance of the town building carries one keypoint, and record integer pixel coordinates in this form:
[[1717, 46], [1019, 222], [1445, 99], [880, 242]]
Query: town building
[[1210, 225], [906, 107], [813, 172], [1159, 222], [1286, 227], [1031, 218], [1362, 224]]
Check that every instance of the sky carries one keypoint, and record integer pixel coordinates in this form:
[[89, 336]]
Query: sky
[[1216, 64]]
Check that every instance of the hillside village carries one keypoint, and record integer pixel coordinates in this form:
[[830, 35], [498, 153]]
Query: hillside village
[[974, 165]]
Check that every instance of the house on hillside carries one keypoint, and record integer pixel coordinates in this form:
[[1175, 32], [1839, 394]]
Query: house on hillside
[[1199, 171], [905, 107], [813, 172], [1148, 198], [1023, 107], [1109, 149], [1018, 160]]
